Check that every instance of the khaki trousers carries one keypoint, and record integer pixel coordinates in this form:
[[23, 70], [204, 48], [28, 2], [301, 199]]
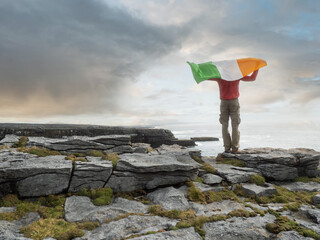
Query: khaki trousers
[[230, 108]]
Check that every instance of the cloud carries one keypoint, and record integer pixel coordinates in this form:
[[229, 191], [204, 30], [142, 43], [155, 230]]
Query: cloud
[[73, 57]]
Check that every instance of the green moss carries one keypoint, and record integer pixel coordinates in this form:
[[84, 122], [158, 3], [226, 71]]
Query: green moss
[[113, 157], [208, 168], [292, 206], [257, 179], [174, 214], [197, 159], [89, 226], [56, 228], [219, 196], [101, 196], [307, 179], [40, 152], [199, 180], [231, 161], [9, 200], [21, 143], [283, 223], [74, 158], [137, 195], [195, 195], [241, 213], [96, 153]]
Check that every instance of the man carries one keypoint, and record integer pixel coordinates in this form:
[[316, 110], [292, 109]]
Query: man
[[229, 107]]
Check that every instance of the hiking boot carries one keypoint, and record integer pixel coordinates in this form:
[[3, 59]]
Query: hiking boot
[[227, 151], [236, 151]]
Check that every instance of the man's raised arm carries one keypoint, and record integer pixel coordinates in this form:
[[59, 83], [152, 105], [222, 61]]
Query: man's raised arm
[[252, 77]]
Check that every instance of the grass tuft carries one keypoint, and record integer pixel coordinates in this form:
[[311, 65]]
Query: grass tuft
[[138, 195], [21, 143], [40, 152], [231, 161], [100, 196], [307, 179], [257, 179], [208, 168]]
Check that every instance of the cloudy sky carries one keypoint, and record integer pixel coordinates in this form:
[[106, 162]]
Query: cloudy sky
[[124, 62]]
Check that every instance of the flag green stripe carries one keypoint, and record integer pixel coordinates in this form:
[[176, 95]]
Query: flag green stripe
[[204, 71]]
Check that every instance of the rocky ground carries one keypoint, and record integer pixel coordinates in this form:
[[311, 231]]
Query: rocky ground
[[107, 187]]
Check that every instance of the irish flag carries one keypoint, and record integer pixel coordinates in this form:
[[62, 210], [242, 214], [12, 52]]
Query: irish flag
[[229, 70]]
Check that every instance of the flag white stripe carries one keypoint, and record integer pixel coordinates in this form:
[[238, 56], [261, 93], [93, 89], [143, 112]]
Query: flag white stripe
[[229, 70]]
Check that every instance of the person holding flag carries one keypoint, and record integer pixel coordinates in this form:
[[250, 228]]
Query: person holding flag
[[228, 75]]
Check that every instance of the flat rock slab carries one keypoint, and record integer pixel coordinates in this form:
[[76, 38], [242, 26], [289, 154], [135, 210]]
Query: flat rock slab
[[217, 208], [211, 179], [205, 188], [92, 174], [185, 234], [280, 164], [239, 228], [169, 198], [32, 176], [316, 199], [235, 174], [300, 186], [253, 189], [79, 209], [143, 171], [128, 226], [291, 235]]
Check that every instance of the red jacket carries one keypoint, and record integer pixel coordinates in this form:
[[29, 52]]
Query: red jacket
[[228, 89]]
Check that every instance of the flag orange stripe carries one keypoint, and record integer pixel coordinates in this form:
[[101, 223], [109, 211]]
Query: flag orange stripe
[[249, 65]]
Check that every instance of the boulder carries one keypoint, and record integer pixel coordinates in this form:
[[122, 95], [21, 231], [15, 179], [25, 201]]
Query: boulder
[[32, 176], [316, 199], [126, 227], [184, 233], [143, 171], [92, 174], [239, 228], [211, 179], [169, 198], [217, 208], [280, 164], [79, 209], [253, 189], [235, 174]]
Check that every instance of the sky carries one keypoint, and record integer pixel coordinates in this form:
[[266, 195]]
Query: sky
[[124, 62]]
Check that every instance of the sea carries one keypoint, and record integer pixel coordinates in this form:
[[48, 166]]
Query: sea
[[250, 137]]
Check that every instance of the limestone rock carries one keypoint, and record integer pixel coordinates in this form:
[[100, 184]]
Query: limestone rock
[[253, 189], [291, 235], [235, 174], [169, 198], [184, 233], [143, 171], [128, 226], [204, 139], [316, 199], [217, 208], [280, 164], [141, 147], [205, 188], [211, 179], [178, 151], [33, 176], [91, 174], [7, 209], [300, 186], [313, 214], [78, 209], [239, 228]]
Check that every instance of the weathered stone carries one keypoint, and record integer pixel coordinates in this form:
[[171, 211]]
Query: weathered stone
[[291, 235], [205, 188], [78, 209], [211, 179], [217, 208], [143, 171], [178, 151], [9, 140], [91, 174], [185, 234], [239, 228], [235, 174], [253, 189], [33, 176], [11, 230], [204, 139], [169, 198], [141, 147], [7, 209], [300, 186], [154, 136], [280, 164], [128, 226], [316, 199], [313, 214]]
